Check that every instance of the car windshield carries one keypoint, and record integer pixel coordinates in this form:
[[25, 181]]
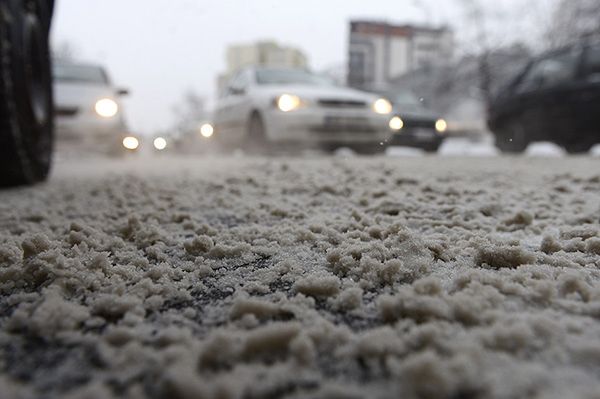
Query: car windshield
[[80, 74], [404, 98], [291, 76]]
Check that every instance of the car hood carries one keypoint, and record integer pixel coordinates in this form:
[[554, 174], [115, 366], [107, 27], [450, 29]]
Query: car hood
[[80, 95], [414, 112], [319, 92]]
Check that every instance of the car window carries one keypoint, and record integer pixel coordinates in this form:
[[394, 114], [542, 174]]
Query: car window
[[592, 62], [550, 71], [406, 98], [273, 76], [79, 74], [239, 82]]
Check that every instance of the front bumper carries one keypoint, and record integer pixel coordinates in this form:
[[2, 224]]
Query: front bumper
[[91, 133], [322, 125], [89, 129], [428, 139]]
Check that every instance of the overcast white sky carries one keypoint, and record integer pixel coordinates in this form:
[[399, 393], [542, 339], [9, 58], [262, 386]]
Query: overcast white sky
[[161, 48]]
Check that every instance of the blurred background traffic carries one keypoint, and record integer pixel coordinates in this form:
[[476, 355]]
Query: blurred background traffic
[[200, 77]]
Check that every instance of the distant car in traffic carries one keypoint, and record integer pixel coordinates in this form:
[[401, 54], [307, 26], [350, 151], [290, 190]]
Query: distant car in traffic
[[413, 124], [556, 98], [88, 109], [265, 106]]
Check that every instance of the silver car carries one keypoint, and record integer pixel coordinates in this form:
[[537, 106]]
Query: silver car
[[263, 106], [88, 109]]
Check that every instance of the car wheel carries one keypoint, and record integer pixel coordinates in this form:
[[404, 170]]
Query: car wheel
[[578, 147], [433, 147], [512, 138], [256, 137], [26, 107]]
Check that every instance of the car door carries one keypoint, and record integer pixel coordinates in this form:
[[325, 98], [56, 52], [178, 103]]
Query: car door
[[586, 97], [521, 108], [232, 114], [539, 96], [558, 92], [241, 102]]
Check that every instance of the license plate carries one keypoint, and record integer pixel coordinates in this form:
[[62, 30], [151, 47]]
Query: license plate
[[424, 134], [343, 122]]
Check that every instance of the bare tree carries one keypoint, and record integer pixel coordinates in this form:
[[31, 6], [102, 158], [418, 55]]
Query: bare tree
[[189, 113], [496, 32], [572, 20], [65, 51], [481, 46]]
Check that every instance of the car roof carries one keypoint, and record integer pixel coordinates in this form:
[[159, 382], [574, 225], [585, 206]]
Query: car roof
[[78, 64]]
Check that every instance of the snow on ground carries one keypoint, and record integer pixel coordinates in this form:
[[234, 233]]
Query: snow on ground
[[404, 152], [354, 277], [545, 149], [483, 147]]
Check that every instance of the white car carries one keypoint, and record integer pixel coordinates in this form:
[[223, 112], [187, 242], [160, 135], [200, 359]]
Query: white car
[[88, 109], [261, 106]]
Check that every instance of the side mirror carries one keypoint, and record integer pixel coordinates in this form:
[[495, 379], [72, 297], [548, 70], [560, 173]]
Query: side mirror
[[122, 92]]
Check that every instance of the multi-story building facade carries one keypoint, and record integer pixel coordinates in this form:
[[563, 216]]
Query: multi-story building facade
[[380, 52], [263, 53]]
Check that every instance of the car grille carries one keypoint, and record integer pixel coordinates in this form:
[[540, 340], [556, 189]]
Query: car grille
[[66, 111], [334, 124], [336, 103], [419, 123]]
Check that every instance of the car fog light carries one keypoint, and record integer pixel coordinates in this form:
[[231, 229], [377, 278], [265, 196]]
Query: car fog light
[[160, 143], [396, 123], [131, 143], [207, 130], [441, 126]]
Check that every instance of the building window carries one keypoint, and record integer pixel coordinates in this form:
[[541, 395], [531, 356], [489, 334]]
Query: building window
[[358, 67]]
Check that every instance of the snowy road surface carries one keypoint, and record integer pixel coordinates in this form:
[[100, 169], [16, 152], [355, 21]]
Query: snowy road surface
[[412, 277]]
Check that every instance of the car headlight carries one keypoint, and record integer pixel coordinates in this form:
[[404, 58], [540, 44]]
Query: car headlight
[[106, 108], [396, 123], [160, 143], [288, 102], [131, 143], [441, 126], [207, 130], [382, 106]]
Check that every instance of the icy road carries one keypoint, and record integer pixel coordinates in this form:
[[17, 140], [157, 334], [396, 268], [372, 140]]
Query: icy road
[[342, 277]]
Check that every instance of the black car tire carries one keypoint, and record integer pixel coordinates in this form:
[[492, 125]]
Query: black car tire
[[433, 147], [578, 147], [512, 138], [26, 106]]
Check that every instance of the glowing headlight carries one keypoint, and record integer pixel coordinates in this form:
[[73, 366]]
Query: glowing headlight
[[396, 123], [131, 143], [160, 143], [106, 108], [288, 102], [207, 130], [382, 106], [441, 126]]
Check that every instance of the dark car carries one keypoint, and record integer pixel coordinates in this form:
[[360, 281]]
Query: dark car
[[556, 98], [413, 124], [26, 107]]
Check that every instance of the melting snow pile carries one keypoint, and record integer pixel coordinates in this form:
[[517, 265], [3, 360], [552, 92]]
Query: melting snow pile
[[337, 278]]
